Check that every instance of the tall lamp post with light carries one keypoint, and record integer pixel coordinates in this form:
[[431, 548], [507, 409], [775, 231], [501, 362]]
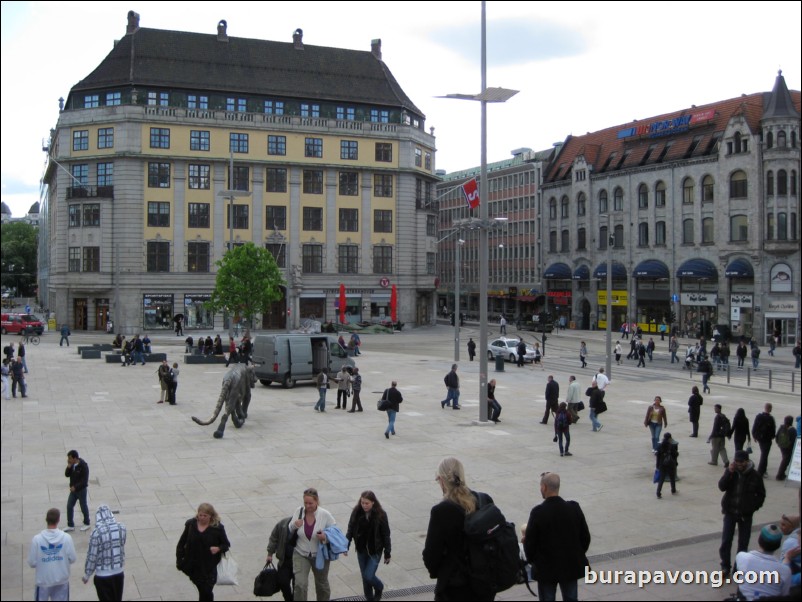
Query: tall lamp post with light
[[485, 96]]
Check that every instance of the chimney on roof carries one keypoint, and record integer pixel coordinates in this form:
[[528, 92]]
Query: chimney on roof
[[133, 22], [298, 39], [222, 34], [376, 48]]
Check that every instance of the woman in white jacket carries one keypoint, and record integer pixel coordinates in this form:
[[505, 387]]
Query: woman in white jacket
[[309, 523]]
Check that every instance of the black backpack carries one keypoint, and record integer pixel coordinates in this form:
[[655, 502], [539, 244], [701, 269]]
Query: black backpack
[[724, 426], [493, 557]]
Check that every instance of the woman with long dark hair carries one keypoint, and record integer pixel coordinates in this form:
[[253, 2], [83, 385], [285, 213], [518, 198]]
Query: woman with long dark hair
[[369, 528], [739, 430], [200, 548]]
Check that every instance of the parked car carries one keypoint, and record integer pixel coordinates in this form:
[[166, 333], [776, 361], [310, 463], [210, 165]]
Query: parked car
[[17, 323], [508, 349]]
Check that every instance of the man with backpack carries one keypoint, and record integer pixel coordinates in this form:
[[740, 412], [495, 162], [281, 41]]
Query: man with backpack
[[717, 438], [555, 542], [764, 429]]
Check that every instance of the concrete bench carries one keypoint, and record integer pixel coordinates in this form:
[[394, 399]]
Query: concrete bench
[[194, 358], [97, 346], [88, 353], [150, 358]]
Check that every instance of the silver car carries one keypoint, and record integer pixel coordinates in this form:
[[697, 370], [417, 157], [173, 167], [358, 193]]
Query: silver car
[[508, 349]]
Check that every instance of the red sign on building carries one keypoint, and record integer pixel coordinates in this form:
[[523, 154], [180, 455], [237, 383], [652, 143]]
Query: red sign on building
[[471, 192]]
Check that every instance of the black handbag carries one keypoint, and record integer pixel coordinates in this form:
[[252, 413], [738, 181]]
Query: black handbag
[[601, 407], [266, 582], [580, 406]]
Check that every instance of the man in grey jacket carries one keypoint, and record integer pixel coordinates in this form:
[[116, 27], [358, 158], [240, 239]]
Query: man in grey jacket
[[282, 546]]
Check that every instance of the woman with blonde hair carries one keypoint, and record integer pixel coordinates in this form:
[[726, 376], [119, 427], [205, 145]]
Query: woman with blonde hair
[[200, 548], [309, 522], [443, 552]]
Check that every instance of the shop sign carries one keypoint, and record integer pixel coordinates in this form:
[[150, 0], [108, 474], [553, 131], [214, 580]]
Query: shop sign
[[735, 314], [784, 306], [741, 300], [619, 299], [704, 299]]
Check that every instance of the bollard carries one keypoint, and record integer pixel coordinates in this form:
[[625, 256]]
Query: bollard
[[769, 380]]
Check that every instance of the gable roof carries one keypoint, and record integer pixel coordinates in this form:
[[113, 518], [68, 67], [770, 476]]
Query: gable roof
[[194, 61]]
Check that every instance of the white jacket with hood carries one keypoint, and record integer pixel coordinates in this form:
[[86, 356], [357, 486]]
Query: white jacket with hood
[[52, 552]]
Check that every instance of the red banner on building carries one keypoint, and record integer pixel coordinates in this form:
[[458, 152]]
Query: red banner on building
[[471, 192]]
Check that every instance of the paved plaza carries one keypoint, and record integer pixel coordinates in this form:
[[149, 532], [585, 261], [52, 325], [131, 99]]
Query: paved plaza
[[154, 465]]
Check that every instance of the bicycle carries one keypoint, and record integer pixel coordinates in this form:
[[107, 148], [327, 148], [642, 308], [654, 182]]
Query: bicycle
[[31, 337]]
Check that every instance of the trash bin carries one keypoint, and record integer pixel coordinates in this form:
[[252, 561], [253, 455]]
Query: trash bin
[[499, 363]]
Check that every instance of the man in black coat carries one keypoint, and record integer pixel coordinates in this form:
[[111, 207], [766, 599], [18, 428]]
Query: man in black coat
[[764, 429], [78, 473], [744, 494], [556, 540], [552, 398]]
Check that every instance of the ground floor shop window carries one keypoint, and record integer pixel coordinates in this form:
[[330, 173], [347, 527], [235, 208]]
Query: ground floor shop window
[[195, 314], [157, 312]]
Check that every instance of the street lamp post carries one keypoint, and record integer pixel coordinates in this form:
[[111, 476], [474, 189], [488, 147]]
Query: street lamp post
[[457, 269], [609, 334]]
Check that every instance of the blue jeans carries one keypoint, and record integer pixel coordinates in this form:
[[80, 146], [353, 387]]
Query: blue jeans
[[755, 362], [80, 497], [391, 421], [656, 428], [674, 357], [368, 564], [453, 394], [321, 403], [547, 590], [596, 424], [567, 435], [138, 357], [705, 388]]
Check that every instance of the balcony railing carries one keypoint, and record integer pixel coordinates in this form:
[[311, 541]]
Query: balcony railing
[[88, 192]]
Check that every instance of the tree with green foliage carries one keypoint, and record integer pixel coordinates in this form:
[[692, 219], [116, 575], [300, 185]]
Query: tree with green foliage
[[18, 257], [248, 281]]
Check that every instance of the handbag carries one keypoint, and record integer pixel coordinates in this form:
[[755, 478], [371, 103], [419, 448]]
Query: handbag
[[227, 570], [266, 582], [580, 406], [601, 407], [383, 404], [656, 477]]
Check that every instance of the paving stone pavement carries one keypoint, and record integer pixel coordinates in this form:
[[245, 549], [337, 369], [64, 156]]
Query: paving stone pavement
[[154, 465]]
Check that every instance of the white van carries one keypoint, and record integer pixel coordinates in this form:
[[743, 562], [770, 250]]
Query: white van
[[288, 358]]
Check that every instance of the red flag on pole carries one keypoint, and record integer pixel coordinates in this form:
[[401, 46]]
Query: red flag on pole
[[394, 304], [342, 303], [471, 191]]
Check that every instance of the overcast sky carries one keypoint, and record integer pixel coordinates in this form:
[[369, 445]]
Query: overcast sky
[[579, 66]]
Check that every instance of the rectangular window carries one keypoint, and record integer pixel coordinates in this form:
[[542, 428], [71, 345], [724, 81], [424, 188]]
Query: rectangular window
[[158, 256], [240, 217], [113, 99], [643, 234], [159, 214], [199, 177], [277, 145], [687, 232], [75, 259], [274, 107], [236, 104], [276, 217], [313, 147], [197, 102], [242, 176], [383, 260], [199, 140], [660, 197], [349, 220], [383, 185], [198, 215], [74, 214], [80, 175], [707, 231], [91, 259], [418, 157], [581, 240], [660, 234], [348, 259], [427, 161], [379, 116], [279, 253], [349, 183], [158, 175], [431, 225], [308, 110], [238, 143], [313, 219], [198, 257], [276, 179], [105, 138], [382, 220], [349, 149], [313, 181], [159, 98], [159, 138], [105, 174], [312, 259], [80, 140], [91, 214], [565, 241], [91, 101], [431, 263], [384, 152]]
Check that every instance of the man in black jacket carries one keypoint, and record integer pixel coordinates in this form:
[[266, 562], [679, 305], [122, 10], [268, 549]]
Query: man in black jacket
[[764, 429], [451, 381], [78, 474], [744, 494], [552, 398], [283, 547], [556, 540]]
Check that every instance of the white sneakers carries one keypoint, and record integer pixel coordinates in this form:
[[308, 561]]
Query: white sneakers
[[69, 529], [85, 527]]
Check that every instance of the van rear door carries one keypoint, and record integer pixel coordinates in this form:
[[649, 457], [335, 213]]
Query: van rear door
[[300, 357]]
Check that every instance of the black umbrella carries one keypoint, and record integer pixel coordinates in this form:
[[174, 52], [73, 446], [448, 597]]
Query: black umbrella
[[178, 317]]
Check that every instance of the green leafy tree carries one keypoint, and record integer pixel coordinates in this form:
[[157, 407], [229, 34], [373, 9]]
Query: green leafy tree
[[18, 257], [248, 281]]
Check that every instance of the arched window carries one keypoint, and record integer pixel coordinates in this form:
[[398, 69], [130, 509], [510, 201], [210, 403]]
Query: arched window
[[707, 231], [782, 226], [793, 139], [581, 205], [688, 191], [552, 208], [708, 189], [660, 194], [687, 232], [769, 140], [619, 237], [602, 238], [643, 234], [741, 145], [643, 196], [738, 185], [660, 234], [781, 139], [564, 207], [770, 183], [782, 182], [618, 200], [739, 228], [603, 202]]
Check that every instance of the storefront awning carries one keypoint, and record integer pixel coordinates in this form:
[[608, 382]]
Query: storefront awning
[[525, 297], [619, 271], [697, 269], [582, 273], [740, 268], [557, 271], [651, 268]]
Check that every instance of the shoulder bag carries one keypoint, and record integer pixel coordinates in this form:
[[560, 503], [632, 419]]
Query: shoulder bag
[[266, 582], [383, 404]]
